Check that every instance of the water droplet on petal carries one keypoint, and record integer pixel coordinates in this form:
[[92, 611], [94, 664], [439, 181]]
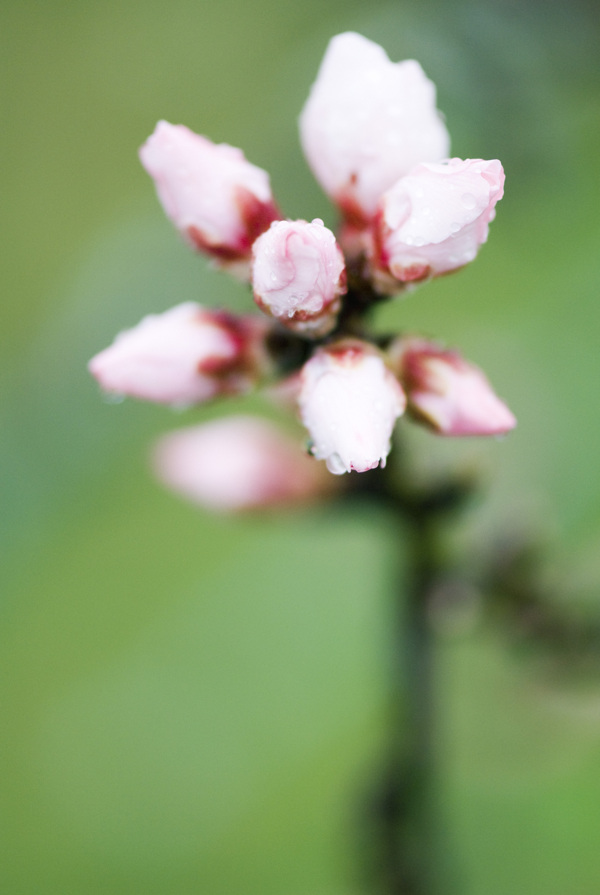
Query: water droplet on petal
[[469, 201], [336, 465]]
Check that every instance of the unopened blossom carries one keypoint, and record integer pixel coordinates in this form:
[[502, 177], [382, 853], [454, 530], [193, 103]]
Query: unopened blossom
[[367, 122], [184, 356], [349, 402], [373, 136], [238, 463], [433, 220], [451, 395], [298, 275], [214, 196]]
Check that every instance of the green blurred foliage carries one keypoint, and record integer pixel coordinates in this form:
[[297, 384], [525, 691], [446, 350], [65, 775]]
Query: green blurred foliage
[[193, 704]]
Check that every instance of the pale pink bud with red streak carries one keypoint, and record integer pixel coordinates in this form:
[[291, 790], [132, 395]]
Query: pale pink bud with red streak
[[367, 122], [238, 463], [433, 220], [184, 356], [349, 402], [214, 196], [449, 394], [298, 276]]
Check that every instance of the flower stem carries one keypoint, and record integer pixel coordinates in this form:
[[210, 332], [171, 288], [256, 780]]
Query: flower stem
[[405, 841], [405, 817]]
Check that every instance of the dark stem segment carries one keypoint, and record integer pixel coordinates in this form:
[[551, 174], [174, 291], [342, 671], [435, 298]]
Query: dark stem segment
[[404, 834], [405, 814]]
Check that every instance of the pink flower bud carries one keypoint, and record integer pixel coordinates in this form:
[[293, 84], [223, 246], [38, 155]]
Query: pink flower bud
[[298, 275], [215, 198], [367, 122], [349, 402], [434, 220], [238, 463], [184, 356], [443, 390]]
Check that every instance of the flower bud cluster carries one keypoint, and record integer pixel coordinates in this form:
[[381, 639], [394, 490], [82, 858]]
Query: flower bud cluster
[[378, 146]]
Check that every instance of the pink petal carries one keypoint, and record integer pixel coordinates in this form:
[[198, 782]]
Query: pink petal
[[450, 394], [298, 275], [238, 463], [367, 122], [433, 220], [186, 355], [349, 402], [216, 199]]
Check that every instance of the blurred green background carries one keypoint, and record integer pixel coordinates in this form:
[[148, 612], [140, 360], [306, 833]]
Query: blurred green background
[[194, 705]]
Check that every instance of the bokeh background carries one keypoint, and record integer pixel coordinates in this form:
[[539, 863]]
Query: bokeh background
[[194, 705]]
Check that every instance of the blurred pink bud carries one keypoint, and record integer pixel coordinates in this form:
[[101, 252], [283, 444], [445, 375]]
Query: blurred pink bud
[[184, 356], [238, 463], [452, 396], [349, 402], [215, 198], [367, 122], [298, 275], [434, 220]]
